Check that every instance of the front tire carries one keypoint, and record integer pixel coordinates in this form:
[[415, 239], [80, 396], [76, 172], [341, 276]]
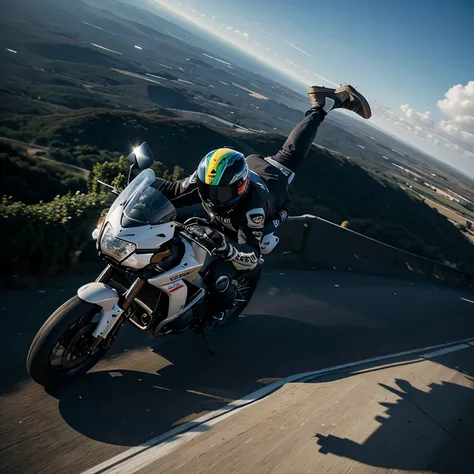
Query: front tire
[[55, 356]]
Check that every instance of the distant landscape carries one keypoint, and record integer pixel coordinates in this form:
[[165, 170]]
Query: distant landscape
[[82, 85]]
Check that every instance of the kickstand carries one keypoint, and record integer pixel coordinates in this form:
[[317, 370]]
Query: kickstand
[[209, 348]]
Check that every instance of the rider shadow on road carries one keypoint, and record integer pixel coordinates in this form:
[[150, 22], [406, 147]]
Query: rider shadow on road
[[426, 428]]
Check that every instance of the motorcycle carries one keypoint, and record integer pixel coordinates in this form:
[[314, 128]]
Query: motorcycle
[[154, 279]]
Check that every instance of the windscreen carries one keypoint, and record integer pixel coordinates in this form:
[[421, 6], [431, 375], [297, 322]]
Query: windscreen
[[144, 179], [148, 206]]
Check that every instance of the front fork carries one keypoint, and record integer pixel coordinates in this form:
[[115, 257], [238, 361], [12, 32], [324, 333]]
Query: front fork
[[113, 307]]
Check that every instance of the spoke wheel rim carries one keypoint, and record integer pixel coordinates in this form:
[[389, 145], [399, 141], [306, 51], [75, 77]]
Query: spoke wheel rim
[[69, 353], [243, 289]]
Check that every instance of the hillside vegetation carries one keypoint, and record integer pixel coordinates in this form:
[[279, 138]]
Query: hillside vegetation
[[328, 184]]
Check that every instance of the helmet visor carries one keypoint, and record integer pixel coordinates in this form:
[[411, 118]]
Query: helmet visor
[[221, 196]]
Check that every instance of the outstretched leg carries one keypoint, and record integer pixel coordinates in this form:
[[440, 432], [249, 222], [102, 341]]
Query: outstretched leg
[[323, 100], [289, 159], [299, 141]]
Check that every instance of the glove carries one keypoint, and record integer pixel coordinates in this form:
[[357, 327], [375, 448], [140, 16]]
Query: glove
[[215, 242], [222, 248]]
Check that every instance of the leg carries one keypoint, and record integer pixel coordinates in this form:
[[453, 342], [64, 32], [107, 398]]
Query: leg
[[300, 140], [323, 100], [219, 279]]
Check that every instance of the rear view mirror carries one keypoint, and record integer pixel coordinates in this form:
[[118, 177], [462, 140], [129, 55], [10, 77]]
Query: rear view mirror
[[141, 157]]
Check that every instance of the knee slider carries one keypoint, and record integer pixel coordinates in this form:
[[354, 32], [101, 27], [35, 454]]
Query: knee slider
[[269, 242], [222, 284]]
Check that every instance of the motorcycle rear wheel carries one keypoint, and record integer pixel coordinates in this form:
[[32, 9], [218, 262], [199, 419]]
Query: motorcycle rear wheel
[[246, 285], [58, 354]]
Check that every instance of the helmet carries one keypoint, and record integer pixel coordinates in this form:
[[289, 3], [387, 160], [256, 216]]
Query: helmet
[[223, 178]]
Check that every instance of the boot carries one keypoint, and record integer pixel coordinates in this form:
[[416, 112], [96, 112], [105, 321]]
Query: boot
[[344, 97]]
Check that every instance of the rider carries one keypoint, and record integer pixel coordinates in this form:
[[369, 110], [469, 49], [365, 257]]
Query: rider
[[247, 198]]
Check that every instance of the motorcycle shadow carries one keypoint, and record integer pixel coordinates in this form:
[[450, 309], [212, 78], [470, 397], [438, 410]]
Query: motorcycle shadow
[[126, 407]]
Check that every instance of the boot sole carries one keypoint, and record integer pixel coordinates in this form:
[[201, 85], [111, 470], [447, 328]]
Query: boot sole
[[363, 100], [316, 90]]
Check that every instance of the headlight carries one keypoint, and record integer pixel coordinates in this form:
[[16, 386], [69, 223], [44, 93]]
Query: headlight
[[96, 231], [115, 247]]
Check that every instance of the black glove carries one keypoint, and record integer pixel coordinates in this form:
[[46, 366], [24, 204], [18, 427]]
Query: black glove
[[215, 242], [222, 248]]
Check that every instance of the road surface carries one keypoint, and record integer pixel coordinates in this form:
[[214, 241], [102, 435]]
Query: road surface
[[411, 413], [298, 322]]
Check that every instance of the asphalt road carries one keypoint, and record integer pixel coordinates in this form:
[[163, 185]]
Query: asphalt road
[[298, 321]]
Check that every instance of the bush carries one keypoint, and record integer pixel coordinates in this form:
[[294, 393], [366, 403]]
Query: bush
[[394, 235], [43, 238], [113, 173], [465, 267]]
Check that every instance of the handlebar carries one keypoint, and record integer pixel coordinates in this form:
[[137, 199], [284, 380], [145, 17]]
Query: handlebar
[[203, 242], [198, 220]]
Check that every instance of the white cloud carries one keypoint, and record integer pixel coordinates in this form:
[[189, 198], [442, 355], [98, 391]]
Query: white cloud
[[449, 128], [465, 123], [451, 139], [240, 33], [417, 117], [458, 102], [458, 106]]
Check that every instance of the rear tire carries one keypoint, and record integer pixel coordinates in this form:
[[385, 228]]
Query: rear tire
[[252, 277], [69, 323]]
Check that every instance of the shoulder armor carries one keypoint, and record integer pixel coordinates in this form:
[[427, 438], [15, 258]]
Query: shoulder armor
[[256, 218]]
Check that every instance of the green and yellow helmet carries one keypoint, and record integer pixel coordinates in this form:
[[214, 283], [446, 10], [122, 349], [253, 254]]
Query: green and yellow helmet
[[223, 178]]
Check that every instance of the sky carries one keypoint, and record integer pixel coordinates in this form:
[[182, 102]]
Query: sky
[[413, 59]]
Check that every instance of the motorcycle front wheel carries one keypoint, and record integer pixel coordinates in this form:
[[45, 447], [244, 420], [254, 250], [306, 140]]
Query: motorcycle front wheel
[[60, 351]]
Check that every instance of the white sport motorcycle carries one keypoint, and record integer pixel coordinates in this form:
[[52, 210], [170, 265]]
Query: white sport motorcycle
[[154, 279]]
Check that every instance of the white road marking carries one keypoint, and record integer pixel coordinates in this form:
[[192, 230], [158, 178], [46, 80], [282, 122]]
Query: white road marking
[[469, 301], [106, 49], [93, 26], [430, 355], [156, 77], [137, 458], [215, 59]]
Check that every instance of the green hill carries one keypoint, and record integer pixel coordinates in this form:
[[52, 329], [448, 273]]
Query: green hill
[[328, 184]]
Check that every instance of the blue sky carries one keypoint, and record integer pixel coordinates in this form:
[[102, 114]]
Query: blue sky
[[403, 55], [403, 51]]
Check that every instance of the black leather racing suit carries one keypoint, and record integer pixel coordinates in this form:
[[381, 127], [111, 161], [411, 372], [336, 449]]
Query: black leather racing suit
[[266, 203], [244, 224]]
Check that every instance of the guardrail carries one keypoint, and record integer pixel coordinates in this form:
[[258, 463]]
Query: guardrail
[[308, 242]]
